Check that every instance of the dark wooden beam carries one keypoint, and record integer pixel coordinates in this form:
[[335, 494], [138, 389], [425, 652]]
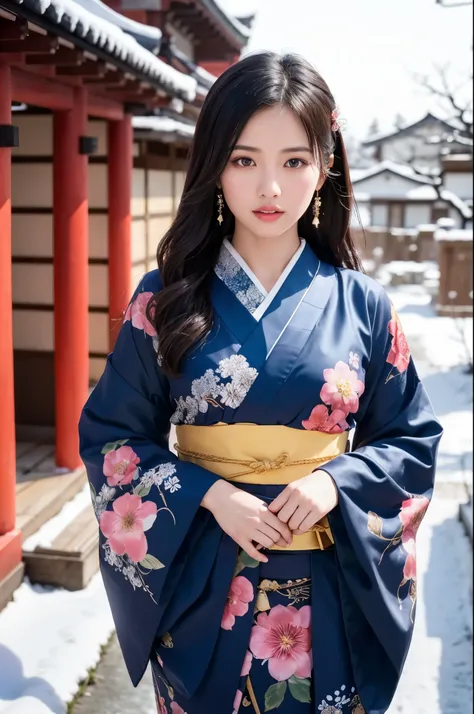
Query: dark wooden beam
[[63, 56], [90, 68], [14, 30], [31, 43], [111, 78]]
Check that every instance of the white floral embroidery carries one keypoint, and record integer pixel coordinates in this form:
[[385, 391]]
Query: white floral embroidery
[[172, 484], [103, 498], [158, 474], [209, 389], [236, 279], [354, 360], [335, 703], [156, 347]]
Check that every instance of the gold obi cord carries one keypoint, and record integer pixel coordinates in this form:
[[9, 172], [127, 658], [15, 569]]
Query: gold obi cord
[[263, 455]]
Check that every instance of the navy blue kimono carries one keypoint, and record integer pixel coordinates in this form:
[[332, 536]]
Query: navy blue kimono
[[313, 632]]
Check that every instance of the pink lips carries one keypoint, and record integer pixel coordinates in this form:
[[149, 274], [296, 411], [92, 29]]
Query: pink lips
[[268, 213]]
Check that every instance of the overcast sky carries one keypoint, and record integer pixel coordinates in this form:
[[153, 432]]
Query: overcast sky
[[367, 50]]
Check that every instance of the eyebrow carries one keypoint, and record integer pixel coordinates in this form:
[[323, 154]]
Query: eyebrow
[[291, 150]]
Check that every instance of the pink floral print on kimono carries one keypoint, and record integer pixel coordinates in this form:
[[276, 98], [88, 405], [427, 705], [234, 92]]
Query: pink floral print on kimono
[[399, 355], [411, 514], [136, 313], [240, 594]]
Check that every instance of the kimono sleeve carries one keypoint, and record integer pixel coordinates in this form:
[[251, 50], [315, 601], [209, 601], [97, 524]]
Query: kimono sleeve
[[385, 484], [147, 502]]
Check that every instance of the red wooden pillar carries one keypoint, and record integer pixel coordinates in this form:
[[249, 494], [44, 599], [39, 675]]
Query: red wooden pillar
[[10, 539], [71, 272], [120, 164]]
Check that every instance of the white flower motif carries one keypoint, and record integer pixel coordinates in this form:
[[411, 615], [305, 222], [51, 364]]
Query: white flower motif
[[204, 388], [354, 360], [103, 498], [231, 366], [112, 558], [172, 484], [232, 395], [131, 575], [245, 378], [157, 474]]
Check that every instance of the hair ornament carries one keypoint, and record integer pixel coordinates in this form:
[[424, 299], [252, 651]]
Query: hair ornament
[[336, 122]]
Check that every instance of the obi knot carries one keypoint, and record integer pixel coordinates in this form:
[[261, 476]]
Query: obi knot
[[262, 465]]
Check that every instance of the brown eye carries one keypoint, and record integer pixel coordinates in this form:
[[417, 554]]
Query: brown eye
[[243, 161], [295, 163]]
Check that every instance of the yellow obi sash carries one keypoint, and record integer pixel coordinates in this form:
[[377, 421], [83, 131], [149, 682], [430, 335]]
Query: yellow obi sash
[[264, 455]]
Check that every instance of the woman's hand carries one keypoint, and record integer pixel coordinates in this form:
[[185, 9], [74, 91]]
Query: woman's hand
[[246, 519], [304, 502]]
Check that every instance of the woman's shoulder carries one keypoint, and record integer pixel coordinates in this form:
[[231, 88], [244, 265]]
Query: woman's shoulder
[[149, 283], [361, 283]]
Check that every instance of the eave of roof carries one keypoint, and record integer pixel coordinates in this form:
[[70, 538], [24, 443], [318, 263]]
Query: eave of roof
[[380, 138], [390, 166], [146, 35], [70, 20], [238, 29]]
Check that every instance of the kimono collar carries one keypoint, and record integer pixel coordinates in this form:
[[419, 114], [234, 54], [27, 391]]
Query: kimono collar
[[234, 272]]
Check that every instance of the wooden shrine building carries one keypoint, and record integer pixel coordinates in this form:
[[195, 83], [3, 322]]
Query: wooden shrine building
[[96, 113]]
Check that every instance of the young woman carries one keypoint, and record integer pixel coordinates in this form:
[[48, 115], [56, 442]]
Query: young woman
[[267, 565]]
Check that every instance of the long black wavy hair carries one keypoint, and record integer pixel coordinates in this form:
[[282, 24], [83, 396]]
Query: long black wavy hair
[[182, 312]]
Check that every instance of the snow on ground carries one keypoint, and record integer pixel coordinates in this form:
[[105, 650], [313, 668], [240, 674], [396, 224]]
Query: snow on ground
[[49, 637]]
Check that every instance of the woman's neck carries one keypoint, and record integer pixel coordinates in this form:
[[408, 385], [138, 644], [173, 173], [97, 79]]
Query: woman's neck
[[266, 257]]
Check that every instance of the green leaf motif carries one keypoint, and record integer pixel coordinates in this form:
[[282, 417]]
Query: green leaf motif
[[151, 563], [300, 689], [112, 445], [142, 490], [247, 561], [275, 695]]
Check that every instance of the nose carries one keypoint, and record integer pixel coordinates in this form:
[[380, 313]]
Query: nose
[[269, 187]]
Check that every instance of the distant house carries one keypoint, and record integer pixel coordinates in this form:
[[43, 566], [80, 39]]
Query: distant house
[[458, 176], [391, 195], [417, 143]]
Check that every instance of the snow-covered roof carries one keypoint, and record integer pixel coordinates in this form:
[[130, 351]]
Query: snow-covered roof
[[428, 118], [242, 31], [163, 125], [454, 234], [109, 39], [146, 35], [392, 167]]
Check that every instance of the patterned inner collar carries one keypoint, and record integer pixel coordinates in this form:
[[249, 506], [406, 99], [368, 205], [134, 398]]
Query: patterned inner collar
[[233, 275], [234, 272]]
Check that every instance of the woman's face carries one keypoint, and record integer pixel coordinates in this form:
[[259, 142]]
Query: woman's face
[[272, 173]]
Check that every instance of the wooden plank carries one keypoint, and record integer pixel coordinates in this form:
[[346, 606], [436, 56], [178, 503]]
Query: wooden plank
[[73, 557], [44, 498], [23, 446], [9, 584], [33, 458]]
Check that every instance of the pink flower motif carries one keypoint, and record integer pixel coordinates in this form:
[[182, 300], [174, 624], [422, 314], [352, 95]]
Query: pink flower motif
[[136, 312], [342, 389], [237, 701], [283, 637], [411, 515], [120, 466], [335, 125], [125, 526], [321, 420], [247, 665], [399, 355], [240, 594], [176, 709], [161, 705]]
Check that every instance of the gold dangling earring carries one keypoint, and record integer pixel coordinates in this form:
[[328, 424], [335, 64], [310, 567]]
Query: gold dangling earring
[[220, 208], [317, 209]]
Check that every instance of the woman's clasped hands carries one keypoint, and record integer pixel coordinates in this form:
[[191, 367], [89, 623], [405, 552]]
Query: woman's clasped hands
[[253, 524]]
